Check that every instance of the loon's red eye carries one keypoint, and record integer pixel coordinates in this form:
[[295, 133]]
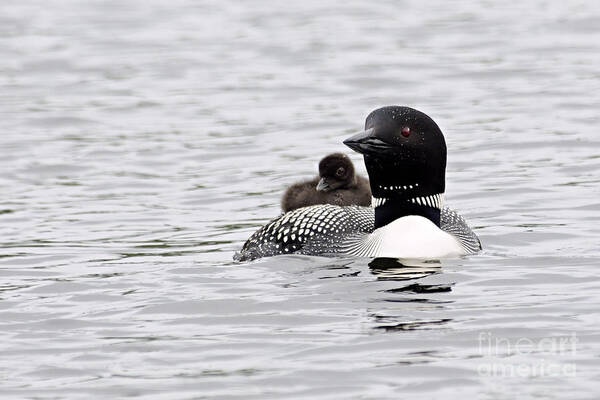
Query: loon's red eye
[[405, 131]]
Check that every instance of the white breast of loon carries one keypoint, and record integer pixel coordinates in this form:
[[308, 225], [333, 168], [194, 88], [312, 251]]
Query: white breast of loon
[[411, 236]]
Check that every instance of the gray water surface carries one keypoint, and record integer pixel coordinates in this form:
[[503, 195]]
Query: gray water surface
[[143, 141]]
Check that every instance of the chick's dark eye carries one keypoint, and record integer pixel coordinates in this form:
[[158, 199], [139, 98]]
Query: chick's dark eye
[[340, 171], [405, 131]]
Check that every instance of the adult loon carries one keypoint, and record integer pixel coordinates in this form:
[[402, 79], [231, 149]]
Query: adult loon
[[336, 184], [405, 154]]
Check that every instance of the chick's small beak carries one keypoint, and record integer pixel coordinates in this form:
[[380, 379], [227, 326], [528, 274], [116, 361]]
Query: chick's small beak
[[323, 185]]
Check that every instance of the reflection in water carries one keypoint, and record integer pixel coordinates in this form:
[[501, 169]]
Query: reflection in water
[[419, 288], [410, 326], [391, 269]]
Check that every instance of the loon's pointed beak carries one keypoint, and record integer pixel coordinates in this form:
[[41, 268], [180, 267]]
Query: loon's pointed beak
[[366, 142], [323, 186]]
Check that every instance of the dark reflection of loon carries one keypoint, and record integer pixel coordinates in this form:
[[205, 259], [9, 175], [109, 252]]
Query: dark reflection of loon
[[410, 326], [390, 269]]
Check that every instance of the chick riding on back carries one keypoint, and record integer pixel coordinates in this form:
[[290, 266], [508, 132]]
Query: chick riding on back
[[336, 184], [405, 154]]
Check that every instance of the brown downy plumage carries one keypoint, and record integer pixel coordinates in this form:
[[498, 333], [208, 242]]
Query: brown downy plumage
[[336, 184]]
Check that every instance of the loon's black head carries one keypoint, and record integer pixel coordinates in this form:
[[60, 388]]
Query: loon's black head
[[336, 171], [405, 155]]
